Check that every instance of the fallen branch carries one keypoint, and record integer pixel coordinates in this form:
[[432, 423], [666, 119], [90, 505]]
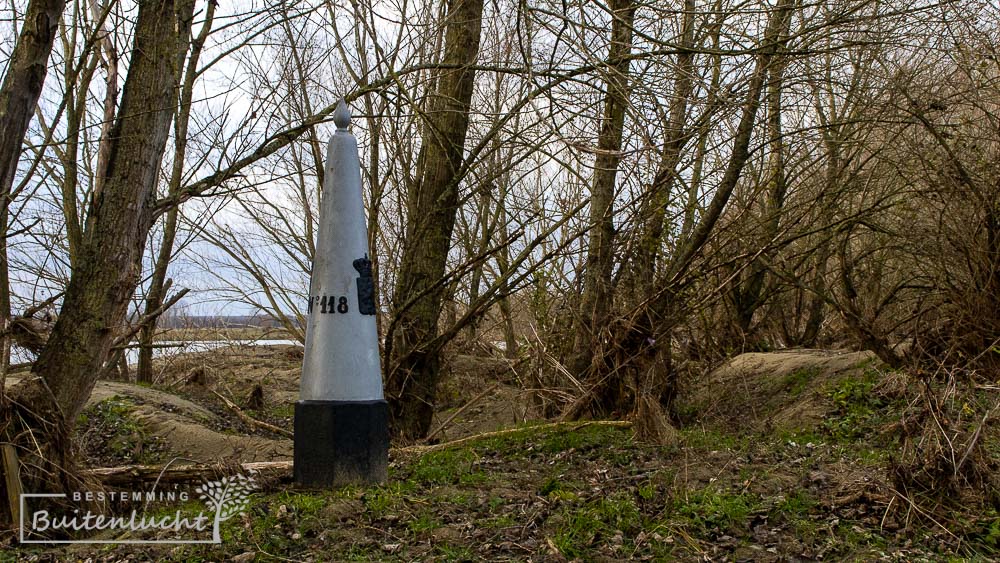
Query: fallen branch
[[249, 419], [570, 426], [12, 480], [461, 409], [195, 473]]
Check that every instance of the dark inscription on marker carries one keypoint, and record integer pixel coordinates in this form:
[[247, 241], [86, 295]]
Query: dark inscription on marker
[[366, 286], [328, 304]]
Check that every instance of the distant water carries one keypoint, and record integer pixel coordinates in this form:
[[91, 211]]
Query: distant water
[[168, 348]]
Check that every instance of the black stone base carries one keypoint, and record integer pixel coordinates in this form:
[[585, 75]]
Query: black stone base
[[341, 443]]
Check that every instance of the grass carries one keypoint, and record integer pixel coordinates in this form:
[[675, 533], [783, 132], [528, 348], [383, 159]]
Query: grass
[[797, 381], [715, 512], [455, 553], [448, 467], [986, 532], [591, 493], [532, 439], [796, 510], [710, 439], [582, 439], [384, 499], [112, 433], [599, 520], [278, 411], [859, 408], [423, 523], [500, 522]]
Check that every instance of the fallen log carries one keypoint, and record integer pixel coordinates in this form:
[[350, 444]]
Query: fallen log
[[192, 473]]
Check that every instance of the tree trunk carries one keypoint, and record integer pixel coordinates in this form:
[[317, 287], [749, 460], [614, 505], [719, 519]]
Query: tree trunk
[[23, 83], [748, 296], [432, 204], [664, 311], [4, 304], [18, 98], [654, 206], [104, 279], [642, 342], [477, 247], [158, 283], [596, 301]]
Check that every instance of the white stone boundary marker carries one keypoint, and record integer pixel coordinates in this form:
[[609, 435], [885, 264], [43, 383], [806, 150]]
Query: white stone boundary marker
[[341, 418]]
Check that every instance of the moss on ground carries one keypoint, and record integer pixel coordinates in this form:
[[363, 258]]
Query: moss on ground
[[111, 434]]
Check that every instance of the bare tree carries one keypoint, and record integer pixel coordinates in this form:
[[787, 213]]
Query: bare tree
[[642, 339], [118, 222], [22, 85], [596, 300], [432, 203], [158, 284]]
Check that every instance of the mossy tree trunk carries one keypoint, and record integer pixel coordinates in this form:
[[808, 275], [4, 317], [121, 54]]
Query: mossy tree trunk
[[597, 297], [158, 284], [104, 278], [432, 203]]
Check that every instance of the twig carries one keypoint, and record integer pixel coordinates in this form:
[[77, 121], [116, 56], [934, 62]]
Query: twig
[[461, 409], [250, 420], [922, 512], [572, 426], [134, 329], [974, 439]]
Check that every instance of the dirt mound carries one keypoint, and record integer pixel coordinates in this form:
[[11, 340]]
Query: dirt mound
[[188, 429], [785, 390], [191, 418], [196, 442], [479, 394], [185, 416]]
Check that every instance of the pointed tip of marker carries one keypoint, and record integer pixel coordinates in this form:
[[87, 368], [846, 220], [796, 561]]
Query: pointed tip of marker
[[342, 115]]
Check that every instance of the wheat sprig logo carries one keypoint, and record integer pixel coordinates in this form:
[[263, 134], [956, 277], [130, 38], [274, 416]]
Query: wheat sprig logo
[[227, 497]]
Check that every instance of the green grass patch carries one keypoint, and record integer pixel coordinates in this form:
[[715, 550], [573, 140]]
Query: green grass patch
[[797, 381], [500, 522], [382, 500], [713, 512], [795, 510], [277, 411], [557, 489], [532, 438], [581, 527], [447, 467], [852, 537], [584, 438], [111, 433], [859, 408], [455, 553], [425, 522], [985, 534], [707, 439], [275, 518]]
